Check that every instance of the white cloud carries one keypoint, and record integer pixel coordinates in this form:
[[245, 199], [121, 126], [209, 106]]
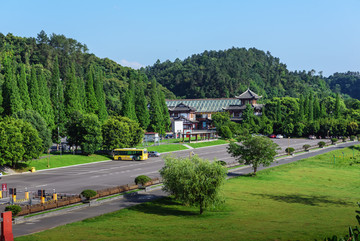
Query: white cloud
[[134, 65]]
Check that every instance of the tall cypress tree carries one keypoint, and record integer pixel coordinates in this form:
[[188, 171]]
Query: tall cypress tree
[[23, 89], [11, 97], [164, 111], [141, 108], [301, 108], [278, 111], [57, 100], [34, 91], [91, 102], [316, 108], [155, 110], [72, 99], [337, 106], [46, 112], [311, 108], [100, 95], [306, 107], [128, 109]]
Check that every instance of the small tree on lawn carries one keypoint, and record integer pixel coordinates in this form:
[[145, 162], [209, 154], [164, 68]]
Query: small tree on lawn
[[194, 181], [255, 151]]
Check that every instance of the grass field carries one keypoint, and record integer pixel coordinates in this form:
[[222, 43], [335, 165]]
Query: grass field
[[306, 200], [207, 143], [63, 160]]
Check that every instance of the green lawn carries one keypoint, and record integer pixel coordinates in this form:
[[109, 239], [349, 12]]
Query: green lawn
[[306, 200], [208, 143], [63, 160], [167, 148]]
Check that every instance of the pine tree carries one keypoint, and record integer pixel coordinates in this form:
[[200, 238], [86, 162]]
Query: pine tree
[[57, 100], [46, 112], [141, 108], [11, 97], [155, 110], [34, 91], [278, 111], [311, 108], [337, 106], [128, 109], [164, 111], [100, 96], [23, 89], [91, 102], [72, 99], [316, 109]]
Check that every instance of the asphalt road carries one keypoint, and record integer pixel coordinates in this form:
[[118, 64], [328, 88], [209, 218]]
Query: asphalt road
[[74, 179]]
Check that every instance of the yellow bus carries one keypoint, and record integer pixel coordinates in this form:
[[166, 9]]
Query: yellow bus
[[130, 154]]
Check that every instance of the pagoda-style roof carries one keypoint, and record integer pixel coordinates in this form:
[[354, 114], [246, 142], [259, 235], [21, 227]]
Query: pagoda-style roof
[[204, 105], [248, 94], [181, 107]]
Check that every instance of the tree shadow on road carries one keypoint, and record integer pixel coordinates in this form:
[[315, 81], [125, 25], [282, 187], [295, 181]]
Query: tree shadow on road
[[166, 206], [305, 199]]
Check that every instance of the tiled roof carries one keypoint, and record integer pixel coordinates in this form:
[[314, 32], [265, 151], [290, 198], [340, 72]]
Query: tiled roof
[[248, 94], [205, 105]]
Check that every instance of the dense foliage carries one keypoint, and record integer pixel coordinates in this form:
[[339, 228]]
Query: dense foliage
[[214, 74], [346, 83], [194, 181]]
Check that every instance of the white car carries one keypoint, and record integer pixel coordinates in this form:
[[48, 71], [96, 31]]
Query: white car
[[279, 136]]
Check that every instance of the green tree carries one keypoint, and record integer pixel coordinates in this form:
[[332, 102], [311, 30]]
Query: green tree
[[141, 108], [128, 109], [100, 96], [156, 118], [254, 151], [74, 129], [337, 106], [39, 124], [19, 141], [165, 112], [11, 97], [248, 114], [34, 91], [23, 89], [91, 134], [57, 100], [194, 181], [121, 132], [91, 101], [72, 97], [46, 111]]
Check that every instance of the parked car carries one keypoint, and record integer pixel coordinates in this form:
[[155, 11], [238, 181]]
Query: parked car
[[279, 136], [272, 136], [312, 137], [154, 154]]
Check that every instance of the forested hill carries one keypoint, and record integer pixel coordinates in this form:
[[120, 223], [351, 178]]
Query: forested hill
[[346, 83], [40, 52], [214, 74]]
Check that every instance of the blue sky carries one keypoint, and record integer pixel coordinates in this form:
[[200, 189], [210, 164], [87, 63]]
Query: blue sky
[[318, 34]]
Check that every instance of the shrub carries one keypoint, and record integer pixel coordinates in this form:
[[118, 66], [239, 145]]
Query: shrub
[[225, 132], [358, 137], [343, 139], [321, 144], [306, 147], [352, 138], [289, 150], [333, 140], [15, 209], [142, 179], [88, 193], [222, 163]]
